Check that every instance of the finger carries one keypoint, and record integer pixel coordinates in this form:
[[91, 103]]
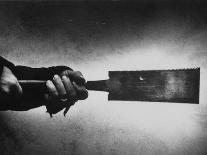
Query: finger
[[75, 76], [52, 105], [14, 89], [81, 91], [51, 89], [71, 92], [59, 86], [18, 89]]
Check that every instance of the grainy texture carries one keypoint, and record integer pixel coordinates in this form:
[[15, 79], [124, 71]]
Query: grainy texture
[[95, 38]]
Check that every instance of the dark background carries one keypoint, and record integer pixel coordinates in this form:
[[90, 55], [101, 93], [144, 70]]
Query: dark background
[[95, 37]]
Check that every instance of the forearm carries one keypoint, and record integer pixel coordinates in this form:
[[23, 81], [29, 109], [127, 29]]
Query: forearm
[[29, 73]]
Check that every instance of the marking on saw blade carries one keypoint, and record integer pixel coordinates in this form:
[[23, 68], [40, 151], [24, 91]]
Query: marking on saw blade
[[141, 78]]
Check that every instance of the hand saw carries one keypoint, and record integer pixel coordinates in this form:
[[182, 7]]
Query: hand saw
[[180, 86]]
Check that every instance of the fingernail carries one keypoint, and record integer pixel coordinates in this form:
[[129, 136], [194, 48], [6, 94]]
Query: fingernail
[[48, 82], [82, 77], [55, 76], [64, 77]]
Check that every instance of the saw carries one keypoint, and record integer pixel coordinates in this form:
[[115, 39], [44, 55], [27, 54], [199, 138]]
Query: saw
[[180, 86]]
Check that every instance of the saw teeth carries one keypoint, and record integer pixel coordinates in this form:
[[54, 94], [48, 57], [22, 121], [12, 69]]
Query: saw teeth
[[180, 69], [193, 68]]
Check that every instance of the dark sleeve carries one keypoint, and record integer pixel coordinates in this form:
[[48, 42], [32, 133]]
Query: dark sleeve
[[4, 62], [28, 73]]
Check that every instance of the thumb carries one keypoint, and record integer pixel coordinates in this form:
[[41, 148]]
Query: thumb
[[17, 90]]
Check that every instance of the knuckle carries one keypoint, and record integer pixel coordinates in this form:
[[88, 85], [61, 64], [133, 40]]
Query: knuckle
[[64, 78], [73, 93], [62, 91], [82, 92], [84, 95], [49, 84], [6, 90], [66, 72], [11, 81], [78, 73], [54, 92], [56, 78]]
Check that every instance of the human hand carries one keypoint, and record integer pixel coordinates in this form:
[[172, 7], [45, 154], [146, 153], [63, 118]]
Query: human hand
[[10, 89], [64, 90]]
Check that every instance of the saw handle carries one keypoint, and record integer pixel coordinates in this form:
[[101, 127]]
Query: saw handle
[[33, 91], [32, 82], [100, 85]]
